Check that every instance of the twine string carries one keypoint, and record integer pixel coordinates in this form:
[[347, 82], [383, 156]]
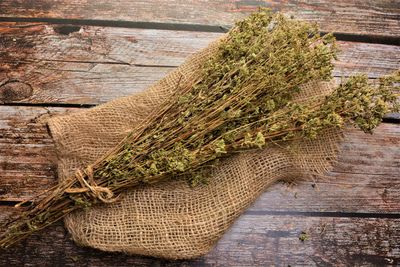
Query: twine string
[[102, 193]]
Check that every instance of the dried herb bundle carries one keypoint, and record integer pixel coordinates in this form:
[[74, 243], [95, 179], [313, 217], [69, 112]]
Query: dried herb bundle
[[243, 101]]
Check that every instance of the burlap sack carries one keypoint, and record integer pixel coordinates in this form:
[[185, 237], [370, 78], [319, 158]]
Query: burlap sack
[[170, 219]]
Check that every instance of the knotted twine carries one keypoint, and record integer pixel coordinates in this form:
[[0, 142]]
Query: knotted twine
[[170, 219], [102, 193]]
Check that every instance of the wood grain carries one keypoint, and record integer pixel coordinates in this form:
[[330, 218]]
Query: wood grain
[[365, 179], [27, 153], [42, 63], [254, 240], [351, 215], [360, 17]]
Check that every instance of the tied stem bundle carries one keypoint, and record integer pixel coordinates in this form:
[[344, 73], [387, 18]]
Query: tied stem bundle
[[242, 101]]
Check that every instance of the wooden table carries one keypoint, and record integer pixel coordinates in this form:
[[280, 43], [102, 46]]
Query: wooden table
[[63, 56]]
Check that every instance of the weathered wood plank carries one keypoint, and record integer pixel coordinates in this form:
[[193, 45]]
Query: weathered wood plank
[[27, 153], [361, 17], [254, 240], [337, 192], [89, 64], [365, 179], [92, 65]]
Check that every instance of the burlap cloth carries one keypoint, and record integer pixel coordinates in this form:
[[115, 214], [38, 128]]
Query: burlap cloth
[[171, 219]]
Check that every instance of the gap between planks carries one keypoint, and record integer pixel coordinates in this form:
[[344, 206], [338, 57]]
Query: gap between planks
[[94, 65], [350, 17], [342, 36]]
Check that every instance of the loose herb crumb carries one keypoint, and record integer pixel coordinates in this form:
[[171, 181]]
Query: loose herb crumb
[[303, 236]]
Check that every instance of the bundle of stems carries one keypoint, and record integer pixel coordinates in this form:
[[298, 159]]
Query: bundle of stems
[[244, 100]]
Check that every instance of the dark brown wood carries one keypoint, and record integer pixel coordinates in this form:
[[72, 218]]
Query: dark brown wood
[[361, 17], [39, 63], [254, 240], [365, 179]]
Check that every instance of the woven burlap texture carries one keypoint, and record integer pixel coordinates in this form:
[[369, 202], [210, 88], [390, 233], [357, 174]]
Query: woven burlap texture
[[170, 219]]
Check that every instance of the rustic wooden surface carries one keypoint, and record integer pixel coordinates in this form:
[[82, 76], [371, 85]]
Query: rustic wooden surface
[[63, 56], [91, 62], [360, 17], [254, 240]]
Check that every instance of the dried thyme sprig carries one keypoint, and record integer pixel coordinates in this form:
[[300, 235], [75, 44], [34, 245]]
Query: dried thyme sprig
[[244, 100]]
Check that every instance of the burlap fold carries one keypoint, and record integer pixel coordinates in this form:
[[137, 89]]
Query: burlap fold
[[170, 219]]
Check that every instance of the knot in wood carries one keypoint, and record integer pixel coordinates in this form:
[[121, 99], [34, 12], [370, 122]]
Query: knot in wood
[[14, 91]]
